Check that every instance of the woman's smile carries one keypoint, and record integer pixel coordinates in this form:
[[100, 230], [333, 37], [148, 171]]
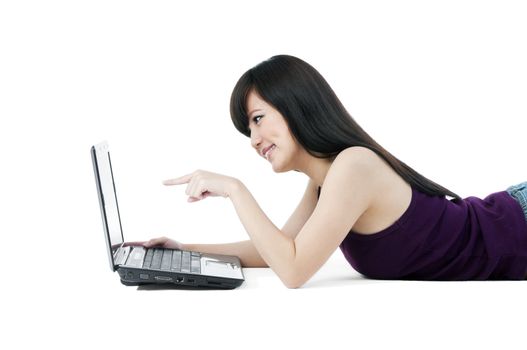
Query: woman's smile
[[269, 152]]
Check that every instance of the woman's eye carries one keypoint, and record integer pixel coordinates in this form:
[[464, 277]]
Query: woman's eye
[[255, 118]]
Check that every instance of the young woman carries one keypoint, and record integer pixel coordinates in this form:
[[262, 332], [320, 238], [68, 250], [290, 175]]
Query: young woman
[[389, 221]]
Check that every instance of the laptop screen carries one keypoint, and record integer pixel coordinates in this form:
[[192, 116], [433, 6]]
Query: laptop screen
[[102, 167]]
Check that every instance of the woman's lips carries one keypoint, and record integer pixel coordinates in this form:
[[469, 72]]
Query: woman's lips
[[267, 152]]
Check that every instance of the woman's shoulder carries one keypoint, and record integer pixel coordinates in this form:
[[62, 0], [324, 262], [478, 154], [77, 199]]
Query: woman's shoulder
[[390, 196], [357, 164], [365, 165], [373, 170], [358, 155]]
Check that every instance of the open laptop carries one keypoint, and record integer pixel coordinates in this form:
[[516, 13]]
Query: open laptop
[[138, 265]]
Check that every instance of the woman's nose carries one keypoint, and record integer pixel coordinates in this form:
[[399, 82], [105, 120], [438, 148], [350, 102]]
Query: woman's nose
[[256, 139]]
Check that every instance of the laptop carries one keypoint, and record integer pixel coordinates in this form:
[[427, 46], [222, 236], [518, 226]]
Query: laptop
[[137, 265]]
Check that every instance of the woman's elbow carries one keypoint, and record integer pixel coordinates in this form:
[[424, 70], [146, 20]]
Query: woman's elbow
[[293, 286], [294, 281]]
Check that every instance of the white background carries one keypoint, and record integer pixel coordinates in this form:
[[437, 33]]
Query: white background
[[441, 85]]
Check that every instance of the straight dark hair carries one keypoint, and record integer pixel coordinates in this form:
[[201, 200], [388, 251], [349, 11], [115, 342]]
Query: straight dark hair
[[316, 117]]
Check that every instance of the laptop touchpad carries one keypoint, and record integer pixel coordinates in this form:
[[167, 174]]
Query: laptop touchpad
[[213, 266]]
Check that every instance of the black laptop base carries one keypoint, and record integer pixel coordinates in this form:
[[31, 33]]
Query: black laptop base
[[136, 277]]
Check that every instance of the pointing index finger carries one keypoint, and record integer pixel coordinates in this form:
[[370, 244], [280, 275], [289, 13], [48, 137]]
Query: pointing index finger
[[178, 181]]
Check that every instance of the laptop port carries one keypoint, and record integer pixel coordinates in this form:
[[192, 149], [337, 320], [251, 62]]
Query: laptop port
[[179, 279], [190, 280], [163, 278]]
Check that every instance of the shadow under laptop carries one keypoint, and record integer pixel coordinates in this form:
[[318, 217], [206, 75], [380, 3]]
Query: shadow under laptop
[[170, 286]]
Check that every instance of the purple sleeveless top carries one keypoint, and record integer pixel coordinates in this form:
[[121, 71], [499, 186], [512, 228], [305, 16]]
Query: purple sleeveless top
[[441, 239]]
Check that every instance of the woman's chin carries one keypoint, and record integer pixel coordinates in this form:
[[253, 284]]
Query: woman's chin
[[277, 168]]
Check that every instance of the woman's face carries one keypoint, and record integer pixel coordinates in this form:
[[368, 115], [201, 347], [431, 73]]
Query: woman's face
[[269, 131]]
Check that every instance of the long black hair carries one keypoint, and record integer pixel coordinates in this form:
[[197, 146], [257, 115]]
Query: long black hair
[[316, 117]]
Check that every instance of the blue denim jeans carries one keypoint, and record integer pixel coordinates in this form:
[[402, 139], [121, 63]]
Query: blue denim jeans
[[519, 192]]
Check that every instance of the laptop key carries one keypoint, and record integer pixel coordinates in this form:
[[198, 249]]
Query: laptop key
[[148, 258], [166, 260], [176, 260], [156, 260], [195, 265], [185, 262], [135, 258]]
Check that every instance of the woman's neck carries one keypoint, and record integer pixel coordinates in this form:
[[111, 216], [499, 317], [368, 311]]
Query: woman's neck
[[315, 168]]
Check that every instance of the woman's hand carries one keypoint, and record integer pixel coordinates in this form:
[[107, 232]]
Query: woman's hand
[[202, 184], [163, 242]]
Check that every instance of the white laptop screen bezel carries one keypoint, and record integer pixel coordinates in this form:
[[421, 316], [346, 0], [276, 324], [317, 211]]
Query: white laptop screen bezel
[[109, 206]]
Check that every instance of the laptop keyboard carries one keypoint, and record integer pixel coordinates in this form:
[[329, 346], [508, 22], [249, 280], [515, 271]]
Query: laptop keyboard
[[172, 260]]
